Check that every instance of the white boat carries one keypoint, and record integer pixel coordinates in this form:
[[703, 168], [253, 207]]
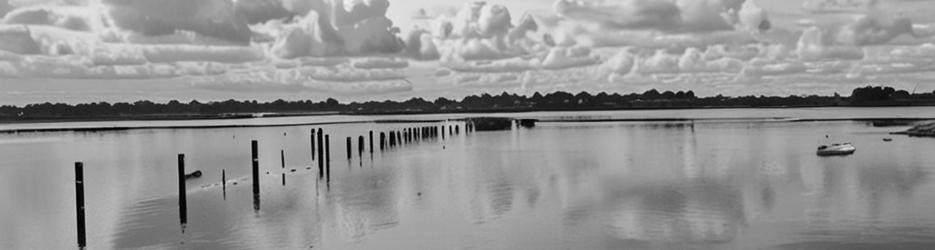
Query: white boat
[[836, 149]]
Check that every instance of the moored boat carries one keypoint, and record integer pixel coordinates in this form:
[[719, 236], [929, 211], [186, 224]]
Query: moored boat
[[836, 149]]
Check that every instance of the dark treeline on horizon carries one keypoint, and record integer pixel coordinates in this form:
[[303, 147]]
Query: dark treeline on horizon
[[652, 99]]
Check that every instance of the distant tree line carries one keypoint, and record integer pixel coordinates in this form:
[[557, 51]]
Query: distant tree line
[[652, 99]]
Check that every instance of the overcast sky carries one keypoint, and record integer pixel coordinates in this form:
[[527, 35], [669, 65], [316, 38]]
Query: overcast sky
[[126, 50]]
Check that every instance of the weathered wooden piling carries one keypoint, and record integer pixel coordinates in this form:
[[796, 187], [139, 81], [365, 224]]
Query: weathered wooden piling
[[312, 142], [282, 159], [382, 141], [348, 144], [371, 141], [360, 146], [399, 137], [392, 138], [255, 156], [328, 154], [321, 154], [457, 129], [79, 204], [223, 184], [183, 201]]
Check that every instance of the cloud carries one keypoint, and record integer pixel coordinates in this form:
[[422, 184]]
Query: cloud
[[77, 67], [214, 18], [5, 7], [481, 20], [67, 17], [563, 58], [307, 37], [629, 14], [259, 11], [421, 46], [358, 29], [812, 46], [752, 17], [866, 30], [380, 63], [341, 80], [667, 16], [837, 6], [18, 39]]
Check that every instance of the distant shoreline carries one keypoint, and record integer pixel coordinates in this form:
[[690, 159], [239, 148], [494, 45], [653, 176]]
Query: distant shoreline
[[196, 117], [898, 120], [238, 116]]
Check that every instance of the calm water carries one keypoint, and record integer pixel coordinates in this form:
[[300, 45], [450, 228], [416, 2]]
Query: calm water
[[722, 184]]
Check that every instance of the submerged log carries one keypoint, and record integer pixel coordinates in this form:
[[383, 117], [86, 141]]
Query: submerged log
[[528, 123], [491, 123]]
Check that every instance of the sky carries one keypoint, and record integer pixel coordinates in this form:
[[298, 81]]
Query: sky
[[357, 50]]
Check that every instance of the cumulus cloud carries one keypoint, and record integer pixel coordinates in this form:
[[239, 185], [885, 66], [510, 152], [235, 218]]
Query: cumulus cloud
[[4, 8], [865, 30], [561, 58], [307, 37], [667, 16], [258, 11], [215, 18], [421, 46], [357, 28], [344, 80], [18, 39], [812, 46], [78, 18], [834, 6]]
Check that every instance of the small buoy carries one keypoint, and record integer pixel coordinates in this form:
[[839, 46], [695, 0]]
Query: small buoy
[[420, 193], [293, 170], [887, 139]]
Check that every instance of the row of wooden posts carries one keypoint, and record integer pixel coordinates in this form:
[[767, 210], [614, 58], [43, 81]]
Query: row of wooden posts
[[323, 141]]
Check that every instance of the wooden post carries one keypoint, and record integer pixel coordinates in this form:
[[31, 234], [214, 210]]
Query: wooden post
[[224, 184], [392, 138], [282, 159], [360, 146], [183, 203], [321, 154], [256, 174], [457, 129], [312, 141], [328, 154], [79, 203], [348, 143], [382, 141], [371, 141], [399, 136]]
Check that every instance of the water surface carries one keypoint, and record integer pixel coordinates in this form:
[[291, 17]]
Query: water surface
[[706, 184]]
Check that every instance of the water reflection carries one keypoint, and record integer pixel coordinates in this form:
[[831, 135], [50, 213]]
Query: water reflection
[[681, 185]]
